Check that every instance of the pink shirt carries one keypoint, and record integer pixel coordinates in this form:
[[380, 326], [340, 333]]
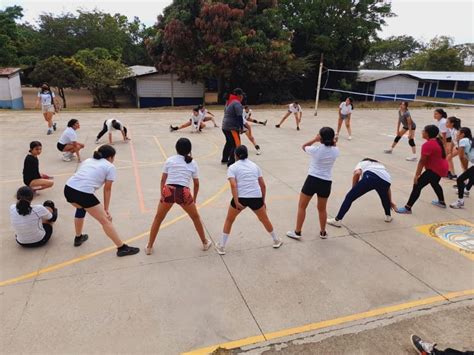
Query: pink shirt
[[435, 161]]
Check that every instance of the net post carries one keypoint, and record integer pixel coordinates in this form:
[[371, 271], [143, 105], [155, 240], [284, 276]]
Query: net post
[[316, 102]]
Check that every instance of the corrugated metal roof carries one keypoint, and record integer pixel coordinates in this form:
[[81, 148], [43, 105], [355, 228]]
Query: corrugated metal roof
[[138, 70], [368, 75], [8, 71]]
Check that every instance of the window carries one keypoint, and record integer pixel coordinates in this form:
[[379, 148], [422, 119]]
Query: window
[[446, 85], [465, 86], [421, 84]]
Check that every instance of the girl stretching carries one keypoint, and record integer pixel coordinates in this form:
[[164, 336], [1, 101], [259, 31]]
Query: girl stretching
[[33, 225], [453, 124], [248, 190], [295, 109], [248, 116], [345, 113], [46, 98], [466, 155], [248, 130], [369, 175], [79, 192], [177, 174], [110, 124], [195, 120], [206, 115], [408, 125], [31, 174], [433, 161], [68, 141], [318, 181]]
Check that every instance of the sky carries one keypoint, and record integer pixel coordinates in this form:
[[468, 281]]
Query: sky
[[422, 19]]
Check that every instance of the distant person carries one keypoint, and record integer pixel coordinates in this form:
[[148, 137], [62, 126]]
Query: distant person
[[195, 122], [440, 116], [345, 114], [453, 124], [109, 125], [248, 128], [232, 125], [248, 116], [295, 109], [68, 143], [31, 174], [207, 115], [466, 155], [408, 125], [46, 98], [425, 348], [33, 225]]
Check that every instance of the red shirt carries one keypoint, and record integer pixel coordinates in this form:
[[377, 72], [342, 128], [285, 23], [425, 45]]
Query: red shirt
[[434, 157]]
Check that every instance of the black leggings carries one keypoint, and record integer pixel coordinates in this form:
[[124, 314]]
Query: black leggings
[[467, 175], [232, 141], [105, 129], [428, 177], [450, 351]]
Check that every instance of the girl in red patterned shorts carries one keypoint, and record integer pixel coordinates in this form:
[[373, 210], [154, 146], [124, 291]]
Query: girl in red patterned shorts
[[177, 174]]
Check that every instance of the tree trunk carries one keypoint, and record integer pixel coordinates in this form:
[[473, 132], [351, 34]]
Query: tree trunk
[[220, 90], [63, 96]]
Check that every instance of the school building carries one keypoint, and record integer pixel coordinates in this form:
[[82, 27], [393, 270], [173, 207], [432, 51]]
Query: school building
[[408, 84], [10, 89]]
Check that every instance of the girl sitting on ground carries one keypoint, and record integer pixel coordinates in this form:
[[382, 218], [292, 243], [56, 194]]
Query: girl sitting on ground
[[31, 174]]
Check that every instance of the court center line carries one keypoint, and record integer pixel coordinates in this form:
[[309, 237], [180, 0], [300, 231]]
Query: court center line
[[448, 297], [138, 184], [84, 257]]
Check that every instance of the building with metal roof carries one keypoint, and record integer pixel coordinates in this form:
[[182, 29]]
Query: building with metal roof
[[11, 95]]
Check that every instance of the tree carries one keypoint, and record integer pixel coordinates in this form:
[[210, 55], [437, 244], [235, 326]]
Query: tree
[[9, 35], [102, 71], [441, 55], [59, 72], [390, 53]]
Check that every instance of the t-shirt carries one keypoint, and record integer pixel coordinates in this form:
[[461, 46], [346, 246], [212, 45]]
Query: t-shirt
[[108, 123], [468, 149], [403, 119], [376, 168], [233, 116], [30, 169], [91, 175], [453, 133], [29, 228], [45, 97], [69, 135], [179, 172], [293, 109], [442, 127], [345, 109], [196, 120], [246, 115], [322, 160], [435, 162], [246, 174]]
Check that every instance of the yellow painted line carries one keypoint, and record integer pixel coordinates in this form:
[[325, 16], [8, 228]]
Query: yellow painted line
[[425, 229], [332, 322], [58, 266], [161, 147]]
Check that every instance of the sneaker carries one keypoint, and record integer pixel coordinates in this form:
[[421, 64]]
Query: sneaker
[[412, 158], [277, 243], [148, 251], [438, 204], [81, 239], [265, 122], [54, 126], [334, 222], [298, 128], [173, 128], [323, 235], [457, 205], [125, 250], [220, 249], [349, 138], [206, 246], [466, 193], [277, 126], [388, 151], [451, 176], [388, 219], [293, 235], [403, 210], [259, 151], [422, 347], [50, 131], [96, 141], [66, 157]]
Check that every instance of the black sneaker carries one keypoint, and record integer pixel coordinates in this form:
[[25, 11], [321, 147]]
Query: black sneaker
[[125, 250], [265, 122], [277, 126], [422, 347], [81, 239], [297, 128], [54, 126], [173, 128]]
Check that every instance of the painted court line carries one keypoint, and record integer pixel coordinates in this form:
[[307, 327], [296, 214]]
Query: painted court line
[[331, 322], [160, 146], [84, 257], [138, 183]]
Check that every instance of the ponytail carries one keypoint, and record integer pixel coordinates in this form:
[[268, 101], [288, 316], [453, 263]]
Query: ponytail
[[455, 121], [24, 196], [105, 151], [188, 159], [442, 112], [443, 151], [467, 134], [183, 148]]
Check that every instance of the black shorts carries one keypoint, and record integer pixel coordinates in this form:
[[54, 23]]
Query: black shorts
[[407, 129], [60, 146], [255, 203], [80, 198], [48, 228], [314, 185], [449, 139]]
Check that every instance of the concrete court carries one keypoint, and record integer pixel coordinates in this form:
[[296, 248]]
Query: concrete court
[[181, 298]]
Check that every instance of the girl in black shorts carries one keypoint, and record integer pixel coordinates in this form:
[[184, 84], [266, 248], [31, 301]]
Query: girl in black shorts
[[79, 192], [248, 190], [177, 174], [318, 181], [31, 174]]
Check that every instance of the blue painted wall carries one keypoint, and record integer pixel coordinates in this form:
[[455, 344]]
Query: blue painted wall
[[16, 104]]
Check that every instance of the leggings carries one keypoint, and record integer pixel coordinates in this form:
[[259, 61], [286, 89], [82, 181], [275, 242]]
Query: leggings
[[368, 182], [428, 177], [232, 141], [467, 175], [105, 129], [450, 351]]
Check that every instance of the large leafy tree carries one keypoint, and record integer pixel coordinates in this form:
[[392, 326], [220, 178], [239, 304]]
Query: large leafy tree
[[390, 53], [9, 35]]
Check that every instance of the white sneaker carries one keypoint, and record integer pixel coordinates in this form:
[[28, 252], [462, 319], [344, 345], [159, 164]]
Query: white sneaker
[[323, 235], [388, 151], [457, 205], [293, 235], [66, 157], [335, 223], [206, 246], [388, 219], [148, 251], [349, 138], [277, 243], [259, 152], [412, 158], [220, 249], [96, 141]]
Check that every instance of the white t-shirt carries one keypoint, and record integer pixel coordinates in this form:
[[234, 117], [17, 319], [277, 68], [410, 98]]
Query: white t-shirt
[[345, 109], [196, 121], [246, 174], [108, 123], [246, 115], [91, 175], [46, 98], [377, 168], [322, 160], [468, 150], [179, 172], [69, 135], [442, 127], [293, 109], [453, 133], [29, 228]]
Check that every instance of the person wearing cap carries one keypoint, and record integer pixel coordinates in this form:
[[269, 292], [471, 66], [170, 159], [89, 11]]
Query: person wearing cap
[[232, 125]]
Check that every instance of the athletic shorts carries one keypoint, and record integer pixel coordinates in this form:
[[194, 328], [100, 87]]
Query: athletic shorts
[[48, 228], [343, 117], [449, 139], [176, 194], [47, 108], [255, 203], [407, 129], [314, 185], [80, 198], [60, 146]]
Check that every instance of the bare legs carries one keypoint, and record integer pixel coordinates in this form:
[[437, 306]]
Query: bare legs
[[48, 117], [74, 148], [347, 123], [297, 118], [303, 205], [41, 184]]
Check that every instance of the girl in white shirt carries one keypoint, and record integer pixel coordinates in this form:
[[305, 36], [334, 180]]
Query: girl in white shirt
[[195, 121], [46, 97], [466, 156], [68, 143], [293, 108], [206, 115], [248, 190], [177, 174], [79, 192], [319, 179], [453, 125], [440, 116], [345, 113], [110, 124]]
